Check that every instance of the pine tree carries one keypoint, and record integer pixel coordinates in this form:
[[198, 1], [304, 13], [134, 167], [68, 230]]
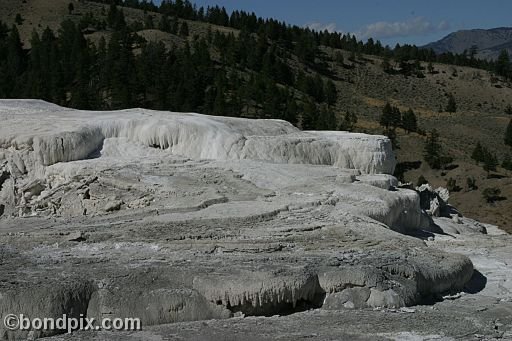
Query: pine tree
[[508, 134], [386, 118], [409, 121], [272, 100], [112, 15], [149, 23], [352, 57], [348, 122], [507, 162], [80, 93], [317, 90], [478, 153], [268, 63], [503, 67], [306, 48], [220, 103], [386, 65], [339, 58], [396, 117], [309, 115], [391, 117], [4, 31], [72, 45], [331, 93], [490, 162], [451, 107], [115, 17], [291, 111], [432, 150], [120, 64], [51, 68], [14, 62], [35, 82], [391, 134], [121, 22], [184, 29], [472, 52], [175, 26], [430, 68], [164, 24], [18, 19], [326, 118], [150, 70], [101, 67]]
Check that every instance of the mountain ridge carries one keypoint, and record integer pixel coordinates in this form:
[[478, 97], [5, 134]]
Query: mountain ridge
[[489, 42]]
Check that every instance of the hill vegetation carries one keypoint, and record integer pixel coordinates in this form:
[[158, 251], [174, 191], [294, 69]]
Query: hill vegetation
[[249, 74]]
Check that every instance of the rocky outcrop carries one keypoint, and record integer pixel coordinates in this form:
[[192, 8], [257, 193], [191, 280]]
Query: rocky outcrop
[[180, 217], [79, 134], [434, 201], [71, 135]]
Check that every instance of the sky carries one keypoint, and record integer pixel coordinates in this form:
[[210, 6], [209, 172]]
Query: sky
[[390, 21]]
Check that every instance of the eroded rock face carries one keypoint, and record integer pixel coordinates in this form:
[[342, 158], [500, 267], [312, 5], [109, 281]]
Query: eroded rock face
[[178, 217], [434, 201]]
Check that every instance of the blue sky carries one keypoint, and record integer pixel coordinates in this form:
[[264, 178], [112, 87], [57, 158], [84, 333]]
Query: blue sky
[[391, 21]]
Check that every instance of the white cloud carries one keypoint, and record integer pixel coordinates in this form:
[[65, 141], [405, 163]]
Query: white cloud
[[443, 26], [417, 26], [317, 26], [412, 27]]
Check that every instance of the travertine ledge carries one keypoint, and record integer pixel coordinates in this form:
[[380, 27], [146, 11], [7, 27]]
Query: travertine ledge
[[175, 217]]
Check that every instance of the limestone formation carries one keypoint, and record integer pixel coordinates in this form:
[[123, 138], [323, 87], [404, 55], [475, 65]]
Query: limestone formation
[[434, 201], [173, 217]]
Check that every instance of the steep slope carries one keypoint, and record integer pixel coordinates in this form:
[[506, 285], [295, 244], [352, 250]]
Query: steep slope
[[39, 14]]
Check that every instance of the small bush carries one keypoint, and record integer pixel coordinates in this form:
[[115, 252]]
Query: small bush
[[471, 184], [19, 20], [421, 181], [491, 194], [507, 162], [452, 186]]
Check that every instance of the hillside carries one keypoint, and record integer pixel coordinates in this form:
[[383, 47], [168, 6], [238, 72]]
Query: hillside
[[488, 42], [362, 87]]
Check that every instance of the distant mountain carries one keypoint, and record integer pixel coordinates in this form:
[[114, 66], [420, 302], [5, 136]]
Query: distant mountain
[[489, 42]]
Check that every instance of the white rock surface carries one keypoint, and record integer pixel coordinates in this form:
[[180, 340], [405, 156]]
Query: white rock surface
[[178, 217], [434, 201], [35, 132]]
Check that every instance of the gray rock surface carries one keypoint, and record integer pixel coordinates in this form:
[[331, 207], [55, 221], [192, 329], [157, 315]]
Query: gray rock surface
[[298, 249]]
